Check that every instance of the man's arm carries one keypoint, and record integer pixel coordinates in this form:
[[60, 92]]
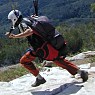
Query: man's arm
[[27, 32]]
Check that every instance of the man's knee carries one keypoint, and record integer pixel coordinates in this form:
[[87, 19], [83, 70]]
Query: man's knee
[[22, 61], [27, 58]]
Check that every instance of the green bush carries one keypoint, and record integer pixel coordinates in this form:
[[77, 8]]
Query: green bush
[[79, 37], [11, 51]]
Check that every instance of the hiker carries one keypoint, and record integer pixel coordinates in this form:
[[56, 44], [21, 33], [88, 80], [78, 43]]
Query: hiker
[[46, 44]]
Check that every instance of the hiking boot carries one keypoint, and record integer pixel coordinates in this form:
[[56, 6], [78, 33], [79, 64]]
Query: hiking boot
[[38, 82], [84, 75]]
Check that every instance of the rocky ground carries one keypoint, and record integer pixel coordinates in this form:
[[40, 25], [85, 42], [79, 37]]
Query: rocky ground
[[64, 84]]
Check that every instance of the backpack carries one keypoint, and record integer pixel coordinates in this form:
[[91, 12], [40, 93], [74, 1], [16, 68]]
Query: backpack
[[44, 29], [41, 27]]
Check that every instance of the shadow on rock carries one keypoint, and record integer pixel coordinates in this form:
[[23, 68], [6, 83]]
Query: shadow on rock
[[66, 89]]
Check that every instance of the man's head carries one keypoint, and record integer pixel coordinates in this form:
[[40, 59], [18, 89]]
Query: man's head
[[15, 16]]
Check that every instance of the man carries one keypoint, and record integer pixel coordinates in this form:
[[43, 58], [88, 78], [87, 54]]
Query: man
[[46, 43]]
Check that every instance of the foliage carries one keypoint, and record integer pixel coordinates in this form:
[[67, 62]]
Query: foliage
[[92, 59], [93, 7], [12, 73], [79, 37], [57, 10], [11, 51]]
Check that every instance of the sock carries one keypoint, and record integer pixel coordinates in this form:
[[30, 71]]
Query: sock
[[39, 76], [79, 71]]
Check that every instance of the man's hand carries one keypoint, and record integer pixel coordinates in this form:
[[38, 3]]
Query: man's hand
[[10, 35]]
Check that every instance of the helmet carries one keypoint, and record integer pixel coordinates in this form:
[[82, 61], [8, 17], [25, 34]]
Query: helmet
[[14, 16]]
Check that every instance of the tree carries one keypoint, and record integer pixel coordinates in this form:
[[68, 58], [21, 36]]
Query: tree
[[93, 7]]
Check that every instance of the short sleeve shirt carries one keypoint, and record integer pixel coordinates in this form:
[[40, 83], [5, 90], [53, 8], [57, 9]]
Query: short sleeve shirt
[[23, 26]]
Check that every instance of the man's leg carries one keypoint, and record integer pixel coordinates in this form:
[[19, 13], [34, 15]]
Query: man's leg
[[65, 64], [71, 68], [26, 61]]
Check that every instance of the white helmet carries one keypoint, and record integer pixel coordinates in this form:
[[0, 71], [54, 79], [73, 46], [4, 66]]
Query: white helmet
[[14, 16]]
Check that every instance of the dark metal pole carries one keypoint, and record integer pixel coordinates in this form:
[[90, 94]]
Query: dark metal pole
[[35, 2]]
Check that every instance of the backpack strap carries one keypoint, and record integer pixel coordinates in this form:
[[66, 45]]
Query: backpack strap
[[31, 23]]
